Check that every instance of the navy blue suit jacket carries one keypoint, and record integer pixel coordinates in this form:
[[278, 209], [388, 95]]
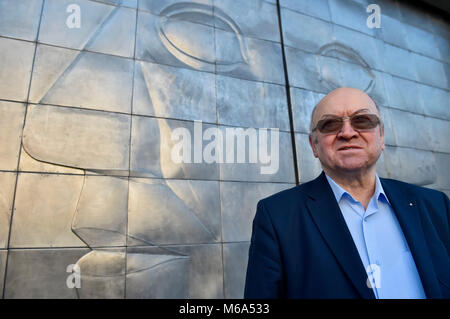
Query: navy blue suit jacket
[[301, 246]]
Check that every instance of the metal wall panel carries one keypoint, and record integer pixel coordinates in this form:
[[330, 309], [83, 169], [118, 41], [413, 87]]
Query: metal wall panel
[[8, 181], [16, 58], [89, 118], [20, 19]]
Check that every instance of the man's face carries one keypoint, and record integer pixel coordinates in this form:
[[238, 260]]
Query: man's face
[[347, 150]]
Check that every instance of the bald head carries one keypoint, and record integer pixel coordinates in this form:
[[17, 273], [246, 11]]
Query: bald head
[[341, 98]]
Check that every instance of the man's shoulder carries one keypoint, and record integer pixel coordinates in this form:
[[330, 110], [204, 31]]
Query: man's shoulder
[[417, 191], [300, 192]]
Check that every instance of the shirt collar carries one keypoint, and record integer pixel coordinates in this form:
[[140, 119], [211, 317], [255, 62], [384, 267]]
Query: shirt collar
[[339, 192]]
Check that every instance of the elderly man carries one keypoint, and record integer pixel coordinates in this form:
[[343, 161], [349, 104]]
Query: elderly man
[[349, 233]]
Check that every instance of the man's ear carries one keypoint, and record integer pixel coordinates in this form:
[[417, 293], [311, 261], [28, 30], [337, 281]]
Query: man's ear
[[313, 145], [382, 137]]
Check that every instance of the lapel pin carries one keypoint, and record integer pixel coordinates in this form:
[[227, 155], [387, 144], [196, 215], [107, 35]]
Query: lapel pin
[[410, 204]]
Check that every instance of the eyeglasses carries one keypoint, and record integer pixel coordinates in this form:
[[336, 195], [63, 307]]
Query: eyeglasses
[[359, 122]]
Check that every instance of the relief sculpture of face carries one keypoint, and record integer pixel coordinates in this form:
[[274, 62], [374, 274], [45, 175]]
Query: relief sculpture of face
[[116, 207]]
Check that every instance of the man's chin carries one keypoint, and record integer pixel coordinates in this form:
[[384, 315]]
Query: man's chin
[[350, 165], [353, 166]]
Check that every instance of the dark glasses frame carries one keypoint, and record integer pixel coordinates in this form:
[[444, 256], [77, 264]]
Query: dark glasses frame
[[359, 122]]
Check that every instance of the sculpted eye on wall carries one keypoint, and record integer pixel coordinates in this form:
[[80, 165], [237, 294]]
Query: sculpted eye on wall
[[172, 35], [333, 80]]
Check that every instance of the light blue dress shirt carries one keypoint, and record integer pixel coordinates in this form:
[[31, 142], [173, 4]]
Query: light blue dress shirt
[[383, 249]]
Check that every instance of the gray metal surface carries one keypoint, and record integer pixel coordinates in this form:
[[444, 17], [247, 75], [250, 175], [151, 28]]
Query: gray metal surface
[[3, 254], [44, 209], [16, 60], [238, 206], [171, 92], [7, 180], [71, 81], [318, 8], [40, 273], [235, 257], [88, 117], [251, 104], [11, 123], [173, 212], [78, 138], [151, 151], [193, 271], [304, 32], [20, 19]]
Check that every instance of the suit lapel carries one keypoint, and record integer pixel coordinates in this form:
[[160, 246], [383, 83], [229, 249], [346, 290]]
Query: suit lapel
[[407, 213], [327, 215]]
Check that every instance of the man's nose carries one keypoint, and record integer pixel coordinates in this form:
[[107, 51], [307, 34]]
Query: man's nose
[[347, 131]]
